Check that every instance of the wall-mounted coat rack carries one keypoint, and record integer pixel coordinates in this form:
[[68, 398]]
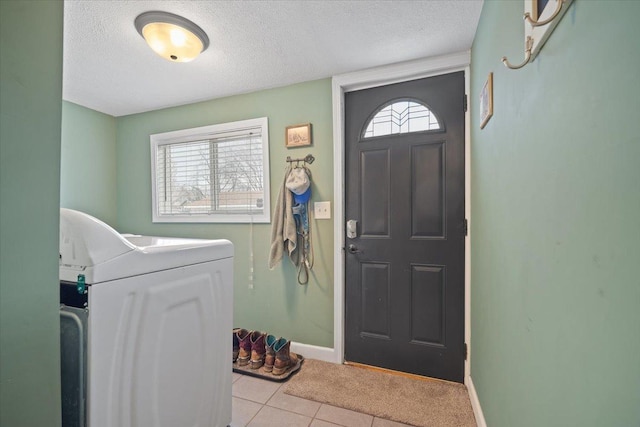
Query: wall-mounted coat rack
[[307, 159], [528, 45], [538, 26], [536, 22]]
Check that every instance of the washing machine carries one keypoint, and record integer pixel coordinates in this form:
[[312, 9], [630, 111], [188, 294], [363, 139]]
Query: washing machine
[[145, 325]]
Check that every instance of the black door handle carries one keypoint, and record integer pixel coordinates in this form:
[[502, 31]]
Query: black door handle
[[353, 249]]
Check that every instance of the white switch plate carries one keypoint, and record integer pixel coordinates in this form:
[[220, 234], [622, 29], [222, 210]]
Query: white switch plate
[[322, 210]]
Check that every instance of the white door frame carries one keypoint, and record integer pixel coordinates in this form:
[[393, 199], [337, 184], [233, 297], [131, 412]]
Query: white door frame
[[389, 74]]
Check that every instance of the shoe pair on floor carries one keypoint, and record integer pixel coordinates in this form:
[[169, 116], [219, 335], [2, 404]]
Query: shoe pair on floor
[[260, 350]]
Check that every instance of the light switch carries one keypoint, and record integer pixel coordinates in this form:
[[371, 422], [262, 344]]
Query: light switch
[[322, 210]]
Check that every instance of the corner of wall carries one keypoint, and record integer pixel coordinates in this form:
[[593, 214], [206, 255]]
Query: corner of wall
[[475, 402]]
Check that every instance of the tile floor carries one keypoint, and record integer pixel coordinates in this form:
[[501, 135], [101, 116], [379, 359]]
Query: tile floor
[[258, 403]]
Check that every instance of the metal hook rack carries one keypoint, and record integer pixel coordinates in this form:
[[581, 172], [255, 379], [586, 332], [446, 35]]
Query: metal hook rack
[[538, 30], [536, 23], [527, 56], [307, 159]]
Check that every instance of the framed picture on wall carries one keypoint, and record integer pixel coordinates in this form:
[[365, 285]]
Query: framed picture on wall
[[486, 101], [298, 135]]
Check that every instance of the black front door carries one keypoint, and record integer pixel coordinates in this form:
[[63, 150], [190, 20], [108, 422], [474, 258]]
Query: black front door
[[405, 226]]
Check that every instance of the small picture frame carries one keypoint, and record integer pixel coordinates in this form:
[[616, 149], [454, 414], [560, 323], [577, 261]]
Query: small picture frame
[[298, 135], [486, 101]]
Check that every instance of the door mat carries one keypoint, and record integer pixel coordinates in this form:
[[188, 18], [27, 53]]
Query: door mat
[[417, 402], [261, 373]]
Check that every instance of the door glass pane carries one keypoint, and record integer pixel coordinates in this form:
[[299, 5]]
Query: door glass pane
[[401, 117]]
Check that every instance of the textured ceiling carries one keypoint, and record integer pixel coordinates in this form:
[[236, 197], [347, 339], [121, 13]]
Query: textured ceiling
[[254, 45]]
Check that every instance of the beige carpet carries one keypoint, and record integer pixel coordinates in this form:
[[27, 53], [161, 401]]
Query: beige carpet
[[419, 402]]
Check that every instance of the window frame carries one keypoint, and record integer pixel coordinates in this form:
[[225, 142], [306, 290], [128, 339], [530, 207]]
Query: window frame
[[212, 132], [364, 138]]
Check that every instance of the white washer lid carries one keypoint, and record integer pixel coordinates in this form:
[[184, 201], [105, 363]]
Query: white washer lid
[[90, 247], [87, 241]]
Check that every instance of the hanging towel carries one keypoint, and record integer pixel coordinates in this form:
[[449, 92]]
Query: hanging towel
[[283, 226]]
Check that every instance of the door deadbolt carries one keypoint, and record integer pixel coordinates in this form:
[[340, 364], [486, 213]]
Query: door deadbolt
[[352, 229]]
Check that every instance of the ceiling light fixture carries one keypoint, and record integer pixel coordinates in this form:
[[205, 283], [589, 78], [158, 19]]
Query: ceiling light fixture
[[171, 36]]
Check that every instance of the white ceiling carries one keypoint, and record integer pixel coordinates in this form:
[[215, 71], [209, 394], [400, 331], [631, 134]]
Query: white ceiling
[[254, 45]]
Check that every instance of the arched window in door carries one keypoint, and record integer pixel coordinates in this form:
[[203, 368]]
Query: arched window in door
[[401, 116]]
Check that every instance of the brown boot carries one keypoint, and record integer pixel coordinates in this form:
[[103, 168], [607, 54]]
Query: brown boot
[[257, 349], [236, 343], [285, 360], [270, 356], [244, 346]]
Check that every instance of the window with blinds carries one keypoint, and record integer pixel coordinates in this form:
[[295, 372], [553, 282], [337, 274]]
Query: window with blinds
[[217, 173]]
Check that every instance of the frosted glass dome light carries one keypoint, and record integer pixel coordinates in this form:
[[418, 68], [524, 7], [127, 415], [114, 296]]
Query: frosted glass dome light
[[171, 36]]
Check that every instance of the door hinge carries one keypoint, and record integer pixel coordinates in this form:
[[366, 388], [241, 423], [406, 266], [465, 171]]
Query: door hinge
[[466, 227], [465, 102], [466, 351]]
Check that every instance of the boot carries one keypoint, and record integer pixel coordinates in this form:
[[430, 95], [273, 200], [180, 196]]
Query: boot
[[285, 360], [257, 349], [236, 344], [244, 346], [270, 356]]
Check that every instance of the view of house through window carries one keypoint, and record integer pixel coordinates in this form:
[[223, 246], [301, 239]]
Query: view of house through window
[[215, 173]]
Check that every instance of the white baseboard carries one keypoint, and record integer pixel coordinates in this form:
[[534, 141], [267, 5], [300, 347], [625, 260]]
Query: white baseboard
[[475, 403], [325, 354]]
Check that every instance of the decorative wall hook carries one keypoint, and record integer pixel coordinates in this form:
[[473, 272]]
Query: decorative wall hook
[[538, 30], [308, 159], [527, 55], [536, 23]]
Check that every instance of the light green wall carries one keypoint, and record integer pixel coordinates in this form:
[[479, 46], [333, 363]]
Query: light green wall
[[277, 304], [555, 205], [88, 164], [30, 110]]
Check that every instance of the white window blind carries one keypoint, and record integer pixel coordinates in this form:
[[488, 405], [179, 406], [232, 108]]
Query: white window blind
[[215, 173]]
